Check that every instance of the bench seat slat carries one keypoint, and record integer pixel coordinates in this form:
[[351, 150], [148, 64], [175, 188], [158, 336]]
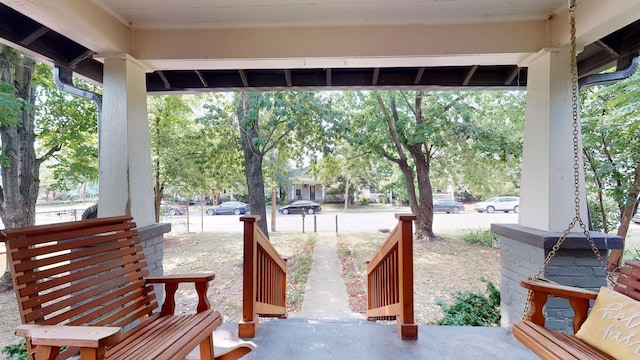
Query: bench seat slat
[[551, 344], [165, 335]]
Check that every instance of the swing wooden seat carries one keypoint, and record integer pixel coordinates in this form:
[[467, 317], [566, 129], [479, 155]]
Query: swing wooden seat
[[551, 344]]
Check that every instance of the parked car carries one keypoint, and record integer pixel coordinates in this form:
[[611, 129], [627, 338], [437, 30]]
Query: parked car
[[173, 209], [301, 206], [448, 206], [500, 203], [636, 218], [228, 208]]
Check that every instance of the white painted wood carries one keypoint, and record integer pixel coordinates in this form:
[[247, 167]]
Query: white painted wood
[[125, 157], [546, 193]]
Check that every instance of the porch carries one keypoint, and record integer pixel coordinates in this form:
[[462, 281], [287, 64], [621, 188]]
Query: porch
[[308, 338]]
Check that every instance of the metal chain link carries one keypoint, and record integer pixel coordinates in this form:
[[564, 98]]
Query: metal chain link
[[576, 173]]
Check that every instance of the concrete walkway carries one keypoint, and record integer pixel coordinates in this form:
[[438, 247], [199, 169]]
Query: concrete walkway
[[325, 295]]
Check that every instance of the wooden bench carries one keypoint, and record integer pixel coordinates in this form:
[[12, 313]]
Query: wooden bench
[[551, 344], [82, 285]]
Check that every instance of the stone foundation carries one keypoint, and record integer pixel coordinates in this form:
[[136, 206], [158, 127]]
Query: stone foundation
[[523, 251], [152, 239]]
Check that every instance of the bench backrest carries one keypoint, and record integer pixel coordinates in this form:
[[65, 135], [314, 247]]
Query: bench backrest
[[628, 281], [88, 272]]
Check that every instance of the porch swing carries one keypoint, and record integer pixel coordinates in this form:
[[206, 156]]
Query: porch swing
[[612, 329]]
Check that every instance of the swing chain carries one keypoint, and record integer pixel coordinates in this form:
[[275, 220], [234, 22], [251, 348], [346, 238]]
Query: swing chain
[[576, 172]]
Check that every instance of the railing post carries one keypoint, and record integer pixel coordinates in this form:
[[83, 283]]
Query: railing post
[[249, 325], [405, 323]]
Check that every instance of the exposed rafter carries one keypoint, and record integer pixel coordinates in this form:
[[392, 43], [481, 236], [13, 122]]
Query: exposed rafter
[[376, 73], [34, 35], [469, 75], [512, 75], [203, 81], [328, 77], [418, 77], [287, 77], [243, 77], [167, 84]]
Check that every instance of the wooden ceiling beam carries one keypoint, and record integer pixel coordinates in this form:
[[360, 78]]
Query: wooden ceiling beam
[[469, 75], [376, 73], [512, 75], [287, 77], [243, 77], [202, 79], [328, 76], [418, 78], [34, 35], [163, 77]]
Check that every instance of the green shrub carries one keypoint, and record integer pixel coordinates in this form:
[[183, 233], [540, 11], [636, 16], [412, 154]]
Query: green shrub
[[482, 237], [16, 351], [472, 309]]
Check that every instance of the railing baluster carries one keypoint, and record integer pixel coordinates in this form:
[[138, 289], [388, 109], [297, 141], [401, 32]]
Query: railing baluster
[[390, 279], [264, 283]]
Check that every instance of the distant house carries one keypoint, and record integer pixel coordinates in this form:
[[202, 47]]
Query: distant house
[[305, 188]]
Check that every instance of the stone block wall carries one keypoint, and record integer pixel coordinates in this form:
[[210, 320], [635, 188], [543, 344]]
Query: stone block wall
[[152, 238], [523, 251]]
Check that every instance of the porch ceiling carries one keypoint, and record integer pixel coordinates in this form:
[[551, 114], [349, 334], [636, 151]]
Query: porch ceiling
[[203, 45]]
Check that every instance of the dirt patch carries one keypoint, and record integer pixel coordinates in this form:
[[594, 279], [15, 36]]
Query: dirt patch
[[441, 268]]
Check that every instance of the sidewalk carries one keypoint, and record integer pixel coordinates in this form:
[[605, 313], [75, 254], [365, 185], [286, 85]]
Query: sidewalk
[[325, 294]]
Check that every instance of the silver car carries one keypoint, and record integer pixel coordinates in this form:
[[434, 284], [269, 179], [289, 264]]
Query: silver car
[[500, 203]]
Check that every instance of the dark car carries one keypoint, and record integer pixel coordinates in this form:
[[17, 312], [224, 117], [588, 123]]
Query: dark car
[[228, 208], [300, 206], [448, 206], [173, 209]]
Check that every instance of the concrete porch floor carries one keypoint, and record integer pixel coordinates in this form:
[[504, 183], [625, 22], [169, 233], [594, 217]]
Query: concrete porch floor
[[348, 339]]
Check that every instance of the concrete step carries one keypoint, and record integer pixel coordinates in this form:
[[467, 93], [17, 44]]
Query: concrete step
[[351, 339]]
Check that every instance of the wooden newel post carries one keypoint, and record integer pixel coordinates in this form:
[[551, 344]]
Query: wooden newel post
[[406, 323], [249, 325]]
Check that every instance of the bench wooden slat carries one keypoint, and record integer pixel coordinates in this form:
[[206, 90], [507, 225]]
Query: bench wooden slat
[[71, 267], [72, 255], [27, 236], [75, 278], [92, 273], [550, 344], [51, 247], [117, 278]]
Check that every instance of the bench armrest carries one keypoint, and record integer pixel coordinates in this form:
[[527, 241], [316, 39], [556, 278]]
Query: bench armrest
[[171, 283], [542, 289], [75, 336]]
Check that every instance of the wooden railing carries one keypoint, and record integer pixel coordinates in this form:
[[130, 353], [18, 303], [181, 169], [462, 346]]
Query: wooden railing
[[390, 279], [264, 279]]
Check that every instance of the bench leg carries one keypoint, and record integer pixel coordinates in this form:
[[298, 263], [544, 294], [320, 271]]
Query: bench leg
[[206, 348]]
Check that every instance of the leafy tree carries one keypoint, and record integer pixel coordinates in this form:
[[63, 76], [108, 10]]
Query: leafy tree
[[31, 107], [421, 131], [611, 147], [293, 123], [177, 145]]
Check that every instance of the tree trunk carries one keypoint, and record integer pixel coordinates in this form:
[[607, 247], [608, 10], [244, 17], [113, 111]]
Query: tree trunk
[[346, 193], [253, 161], [20, 176], [615, 256]]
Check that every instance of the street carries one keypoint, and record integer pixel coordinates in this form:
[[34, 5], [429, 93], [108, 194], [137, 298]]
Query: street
[[344, 221]]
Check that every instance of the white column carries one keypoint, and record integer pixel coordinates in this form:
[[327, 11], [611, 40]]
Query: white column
[[125, 155], [547, 185]]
